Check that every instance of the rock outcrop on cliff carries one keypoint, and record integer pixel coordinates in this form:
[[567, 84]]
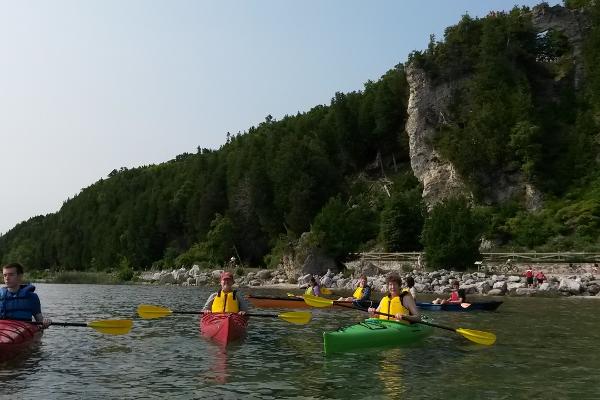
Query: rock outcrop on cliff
[[427, 105], [572, 24], [428, 111]]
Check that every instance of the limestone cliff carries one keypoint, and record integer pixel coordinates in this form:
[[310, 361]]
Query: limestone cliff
[[427, 105], [572, 23], [428, 111]]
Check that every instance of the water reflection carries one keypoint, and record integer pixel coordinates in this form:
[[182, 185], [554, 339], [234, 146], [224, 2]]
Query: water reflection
[[28, 356], [281, 360], [217, 372], [391, 374]]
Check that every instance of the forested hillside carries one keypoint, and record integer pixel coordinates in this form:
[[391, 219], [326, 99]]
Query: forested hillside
[[343, 171], [265, 184]]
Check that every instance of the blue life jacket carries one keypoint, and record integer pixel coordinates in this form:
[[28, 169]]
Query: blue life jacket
[[21, 305]]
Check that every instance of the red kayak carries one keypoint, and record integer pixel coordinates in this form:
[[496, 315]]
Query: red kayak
[[15, 336], [223, 327]]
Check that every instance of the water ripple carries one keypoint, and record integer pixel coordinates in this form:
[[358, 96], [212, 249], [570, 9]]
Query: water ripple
[[539, 340]]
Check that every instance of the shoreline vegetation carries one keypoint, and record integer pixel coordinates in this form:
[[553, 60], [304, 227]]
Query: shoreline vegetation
[[490, 153], [471, 145], [76, 277], [562, 279]]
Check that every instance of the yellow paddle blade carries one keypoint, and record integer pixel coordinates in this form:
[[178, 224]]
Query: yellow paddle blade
[[112, 326], [315, 301], [325, 290], [296, 317], [485, 338], [148, 311]]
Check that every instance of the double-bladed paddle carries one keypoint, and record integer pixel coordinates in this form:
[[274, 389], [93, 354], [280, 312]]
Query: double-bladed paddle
[[485, 338], [108, 326], [149, 311]]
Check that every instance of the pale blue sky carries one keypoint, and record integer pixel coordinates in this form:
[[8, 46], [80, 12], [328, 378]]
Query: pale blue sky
[[89, 86]]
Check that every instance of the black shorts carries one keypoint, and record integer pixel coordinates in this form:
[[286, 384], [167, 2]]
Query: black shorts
[[530, 281]]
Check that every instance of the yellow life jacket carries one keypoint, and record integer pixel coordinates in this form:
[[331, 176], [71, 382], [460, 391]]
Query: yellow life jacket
[[225, 302], [393, 306], [358, 293], [309, 290]]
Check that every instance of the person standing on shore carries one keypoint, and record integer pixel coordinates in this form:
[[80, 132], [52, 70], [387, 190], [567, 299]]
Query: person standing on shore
[[540, 278], [529, 277], [226, 300], [17, 300], [232, 264]]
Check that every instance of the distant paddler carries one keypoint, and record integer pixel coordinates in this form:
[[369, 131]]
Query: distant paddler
[[410, 285], [362, 293], [457, 295], [397, 302], [313, 289]]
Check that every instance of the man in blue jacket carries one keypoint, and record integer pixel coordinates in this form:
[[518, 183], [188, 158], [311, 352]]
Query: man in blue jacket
[[18, 301]]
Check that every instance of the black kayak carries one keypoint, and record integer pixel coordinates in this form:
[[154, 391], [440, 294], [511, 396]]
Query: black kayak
[[482, 306]]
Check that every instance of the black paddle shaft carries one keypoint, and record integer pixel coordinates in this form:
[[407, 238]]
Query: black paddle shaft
[[410, 318], [205, 312], [64, 323]]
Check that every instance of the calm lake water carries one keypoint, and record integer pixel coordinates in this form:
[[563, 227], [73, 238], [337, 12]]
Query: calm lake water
[[546, 348]]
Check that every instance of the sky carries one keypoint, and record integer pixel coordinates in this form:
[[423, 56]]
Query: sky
[[90, 86]]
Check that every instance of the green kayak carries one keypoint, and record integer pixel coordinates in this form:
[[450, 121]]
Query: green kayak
[[373, 332]]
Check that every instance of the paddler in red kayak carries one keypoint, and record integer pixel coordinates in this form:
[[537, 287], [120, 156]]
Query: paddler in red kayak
[[397, 302], [17, 300], [226, 300]]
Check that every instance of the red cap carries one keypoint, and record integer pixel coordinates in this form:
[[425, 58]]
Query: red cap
[[225, 275]]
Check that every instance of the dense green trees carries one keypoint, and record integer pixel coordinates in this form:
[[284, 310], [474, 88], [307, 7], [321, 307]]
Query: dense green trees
[[270, 181], [341, 228], [451, 235], [402, 218], [340, 170]]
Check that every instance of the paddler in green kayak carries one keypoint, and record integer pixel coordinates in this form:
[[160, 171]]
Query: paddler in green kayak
[[397, 302], [18, 301]]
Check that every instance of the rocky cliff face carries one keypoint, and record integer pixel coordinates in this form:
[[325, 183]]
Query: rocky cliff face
[[427, 106], [427, 111], [572, 23]]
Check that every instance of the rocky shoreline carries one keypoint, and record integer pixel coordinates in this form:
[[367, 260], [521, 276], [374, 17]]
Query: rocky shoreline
[[561, 280]]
